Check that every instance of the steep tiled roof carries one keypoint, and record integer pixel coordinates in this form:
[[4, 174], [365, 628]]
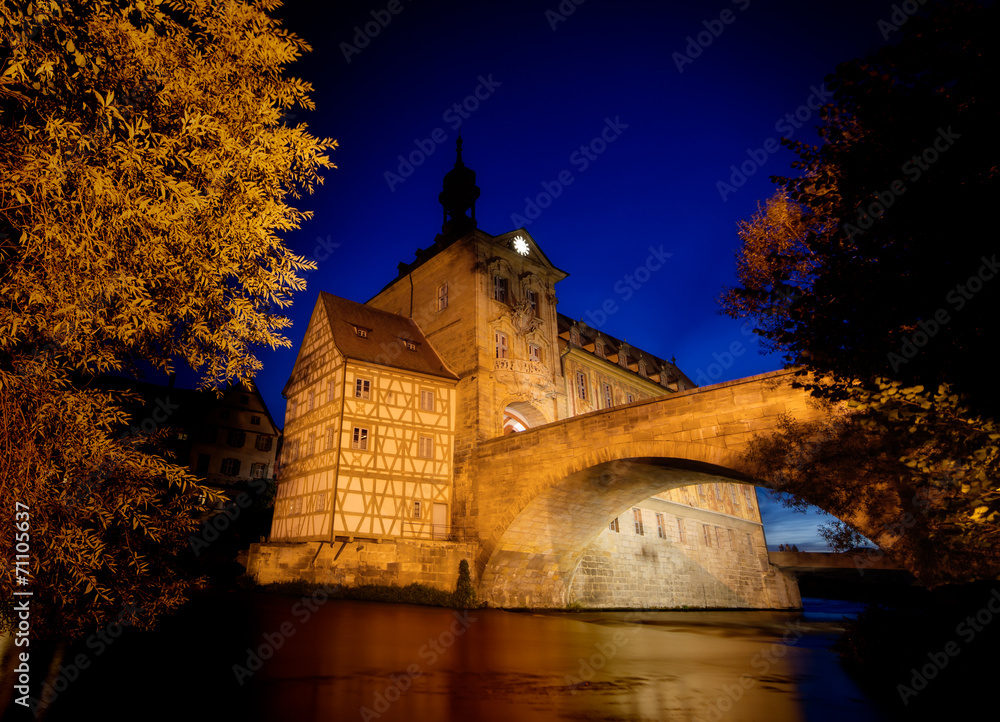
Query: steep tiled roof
[[385, 340]]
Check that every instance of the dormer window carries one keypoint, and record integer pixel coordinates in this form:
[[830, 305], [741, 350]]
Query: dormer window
[[410, 345], [361, 331], [532, 298]]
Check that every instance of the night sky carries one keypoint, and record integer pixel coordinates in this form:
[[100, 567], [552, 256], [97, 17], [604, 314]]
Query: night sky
[[643, 106]]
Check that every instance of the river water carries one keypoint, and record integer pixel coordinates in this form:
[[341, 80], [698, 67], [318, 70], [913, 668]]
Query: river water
[[264, 657]]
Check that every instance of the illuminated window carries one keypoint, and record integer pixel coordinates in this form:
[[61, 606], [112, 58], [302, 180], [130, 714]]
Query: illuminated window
[[501, 344], [257, 470], [231, 467], [417, 510], [660, 529], [608, 398], [263, 442], [535, 352], [581, 385], [500, 289], [360, 440], [362, 332], [637, 520], [426, 447], [427, 400], [533, 302], [410, 345], [614, 525], [362, 388], [442, 296]]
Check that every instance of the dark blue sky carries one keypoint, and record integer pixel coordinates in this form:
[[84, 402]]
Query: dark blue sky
[[675, 115]]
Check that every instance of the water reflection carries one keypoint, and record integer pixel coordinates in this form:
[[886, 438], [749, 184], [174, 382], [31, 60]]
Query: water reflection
[[367, 661]]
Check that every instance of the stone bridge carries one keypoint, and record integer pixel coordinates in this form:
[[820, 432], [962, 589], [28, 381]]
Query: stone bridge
[[541, 496]]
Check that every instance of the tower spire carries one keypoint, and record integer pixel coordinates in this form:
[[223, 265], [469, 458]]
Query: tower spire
[[458, 196]]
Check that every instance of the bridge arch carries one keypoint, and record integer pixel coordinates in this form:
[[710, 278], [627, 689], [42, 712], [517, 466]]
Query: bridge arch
[[540, 497]]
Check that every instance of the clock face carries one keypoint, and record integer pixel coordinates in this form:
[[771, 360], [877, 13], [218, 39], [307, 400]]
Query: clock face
[[521, 245]]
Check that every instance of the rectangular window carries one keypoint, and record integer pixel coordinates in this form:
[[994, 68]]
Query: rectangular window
[[312, 399], [735, 495], [417, 510], [608, 398], [535, 352], [426, 447], [257, 471], [312, 444], [427, 400], [680, 531], [263, 442], [362, 388], [581, 385], [718, 492], [718, 537], [637, 519], [701, 490], [360, 440], [361, 332], [297, 506], [236, 438], [291, 409], [410, 345], [500, 289], [732, 540], [533, 302], [255, 420], [631, 398], [442, 296], [750, 542], [614, 525], [231, 467], [321, 501], [748, 492], [660, 529], [705, 535], [501, 342]]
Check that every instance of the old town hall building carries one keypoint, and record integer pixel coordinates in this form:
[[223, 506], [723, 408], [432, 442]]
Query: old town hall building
[[388, 397]]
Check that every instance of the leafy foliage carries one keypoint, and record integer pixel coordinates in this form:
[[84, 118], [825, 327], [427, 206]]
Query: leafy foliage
[[146, 174], [465, 590], [871, 273]]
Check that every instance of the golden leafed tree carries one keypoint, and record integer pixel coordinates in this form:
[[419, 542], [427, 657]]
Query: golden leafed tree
[[147, 174]]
